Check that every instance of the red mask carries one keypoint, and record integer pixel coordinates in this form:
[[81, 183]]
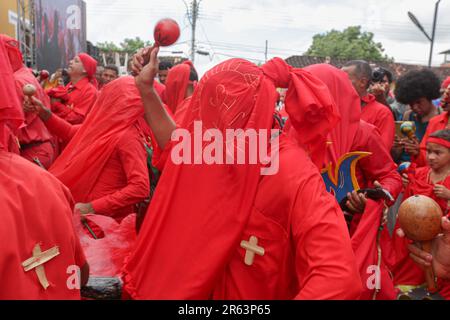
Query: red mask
[[13, 48]]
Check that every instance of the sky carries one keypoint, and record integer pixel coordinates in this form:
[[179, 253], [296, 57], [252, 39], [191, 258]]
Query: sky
[[238, 28]]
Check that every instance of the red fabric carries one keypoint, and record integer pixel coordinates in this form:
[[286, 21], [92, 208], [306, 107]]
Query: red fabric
[[106, 161], [381, 117], [364, 228], [348, 102], [35, 209], [176, 85], [218, 201], [304, 236], [420, 183], [59, 92], [90, 65], [12, 47], [82, 97], [34, 137], [405, 271], [446, 83], [106, 254], [313, 114], [351, 135], [11, 113], [61, 128], [379, 166], [437, 123]]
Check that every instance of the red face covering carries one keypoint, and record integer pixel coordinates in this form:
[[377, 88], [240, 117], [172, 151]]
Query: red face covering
[[90, 65], [176, 85], [12, 48], [11, 114], [200, 211], [348, 103], [311, 108], [118, 107]]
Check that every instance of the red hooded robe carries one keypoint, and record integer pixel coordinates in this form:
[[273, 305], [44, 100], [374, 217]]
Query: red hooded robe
[[105, 162], [351, 135], [191, 247], [35, 209]]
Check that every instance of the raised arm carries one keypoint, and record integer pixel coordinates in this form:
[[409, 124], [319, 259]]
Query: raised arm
[[156, 115]]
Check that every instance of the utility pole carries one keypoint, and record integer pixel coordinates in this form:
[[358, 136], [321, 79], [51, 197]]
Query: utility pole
[[26, 31], [193, 16], [267, 50], [436, 10], [421, 28]]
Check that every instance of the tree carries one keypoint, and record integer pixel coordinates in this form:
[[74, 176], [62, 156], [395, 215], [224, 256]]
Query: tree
[[108, 47], [133, 45], [350, 44], [128, 45]]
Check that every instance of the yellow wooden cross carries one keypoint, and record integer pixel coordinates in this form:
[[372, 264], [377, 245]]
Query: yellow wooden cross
[[37, 262], [252, 248]]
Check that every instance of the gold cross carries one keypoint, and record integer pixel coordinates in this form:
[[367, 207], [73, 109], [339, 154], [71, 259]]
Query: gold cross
[[37, 262], [252, 248]]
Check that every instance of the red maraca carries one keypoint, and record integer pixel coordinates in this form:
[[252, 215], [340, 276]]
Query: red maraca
[[44, 75], [167, 32], [420, 218]]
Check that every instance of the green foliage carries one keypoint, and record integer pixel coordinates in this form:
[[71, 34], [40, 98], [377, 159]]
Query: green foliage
[[350, 44], [108, 46], [128, 45]]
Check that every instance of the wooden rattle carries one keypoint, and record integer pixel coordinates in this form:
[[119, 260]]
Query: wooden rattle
[[420, 218]]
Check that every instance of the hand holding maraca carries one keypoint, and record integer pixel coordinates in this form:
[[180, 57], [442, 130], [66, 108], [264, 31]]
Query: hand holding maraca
[[420, 219], [166, 33], [439, 258]]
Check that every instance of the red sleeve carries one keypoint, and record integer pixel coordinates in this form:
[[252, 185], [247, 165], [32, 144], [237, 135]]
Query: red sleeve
[[134, 161], [82, 107], [386, 125], [61, 129], [379, 166], [325, 263]]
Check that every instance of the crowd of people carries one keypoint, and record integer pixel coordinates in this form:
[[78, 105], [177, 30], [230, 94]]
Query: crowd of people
[[91, 187]]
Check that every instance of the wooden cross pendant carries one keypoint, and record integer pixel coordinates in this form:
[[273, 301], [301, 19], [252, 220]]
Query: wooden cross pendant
[[37, 261], [252, 248]]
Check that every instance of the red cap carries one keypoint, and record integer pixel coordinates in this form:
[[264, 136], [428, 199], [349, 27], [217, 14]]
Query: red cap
[[89, 63]]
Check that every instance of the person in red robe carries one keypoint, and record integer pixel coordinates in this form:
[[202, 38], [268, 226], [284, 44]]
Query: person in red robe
[[36, 143], [41, 255], [432, 181], [180, 85], [352, 135], [203, 217], [82, 89], [105, 163], [373, 112]]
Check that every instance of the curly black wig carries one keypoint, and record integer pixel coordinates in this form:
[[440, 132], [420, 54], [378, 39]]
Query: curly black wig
[[418, 84]]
